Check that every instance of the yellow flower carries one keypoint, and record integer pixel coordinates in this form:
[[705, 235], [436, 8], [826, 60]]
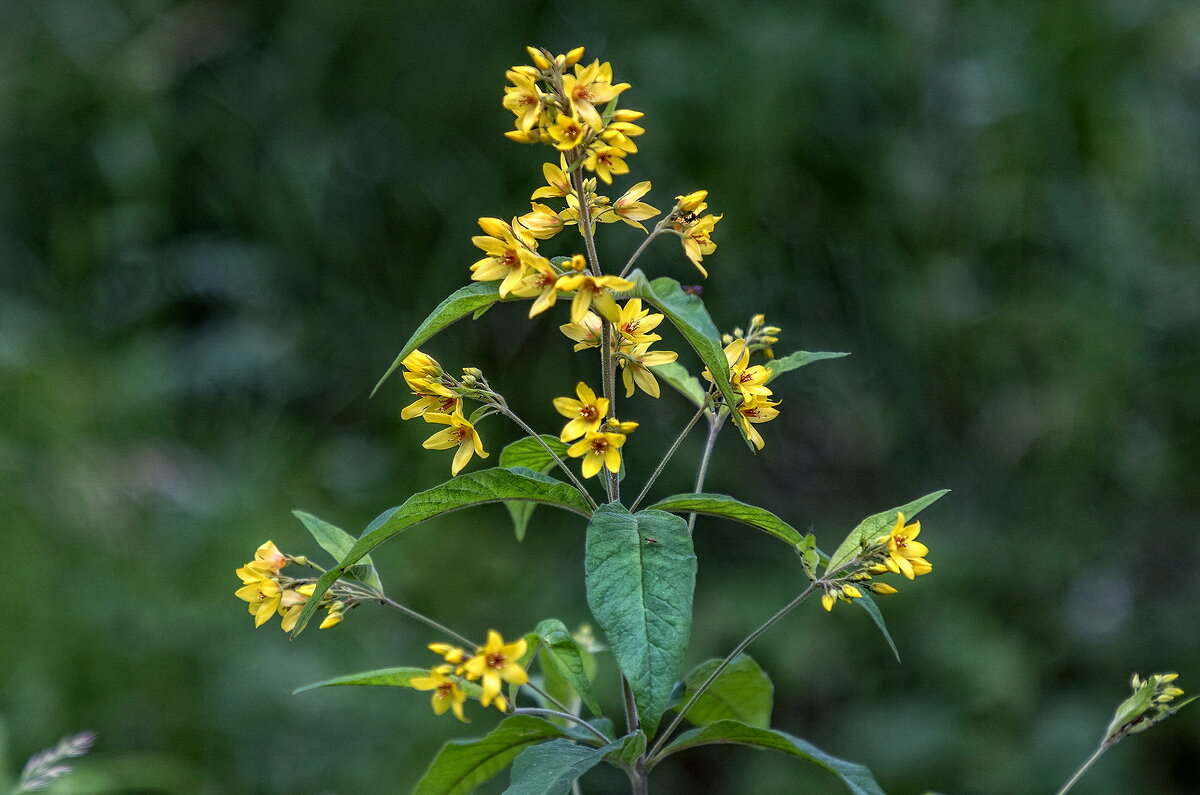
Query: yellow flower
[[881, 588], [461, 433], [431, 396], [447, 695], [586, 332], [263, 597], [542, 281], [599, 450], [421, 365], [905, 554], [449, 653], [584, 414], [508, 251], [594, 291], [524, 99], [269, 558], [629, 209], [606, 161], [567, 132], [614, 425], [558, 183], [750, 413], [495, 662], [591, 86], [844, 592], [697, 240], [291, 603], [332, 620], [635, 323], [692, 202], [635, 363], [620, 135], [542, 222], [751, 382]]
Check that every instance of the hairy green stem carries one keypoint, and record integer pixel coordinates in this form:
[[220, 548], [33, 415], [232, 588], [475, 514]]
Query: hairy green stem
[[666, 458], [561, 464], [1091, 760], [565, 716], [426, 620], [652, 755], [715, 423]]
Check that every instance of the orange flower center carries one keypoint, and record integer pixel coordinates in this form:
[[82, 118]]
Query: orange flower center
[[599, 446], [445, 690], [496, 660], [587, 412]]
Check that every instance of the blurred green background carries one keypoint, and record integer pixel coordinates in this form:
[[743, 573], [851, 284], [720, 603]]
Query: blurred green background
[[220, 220]]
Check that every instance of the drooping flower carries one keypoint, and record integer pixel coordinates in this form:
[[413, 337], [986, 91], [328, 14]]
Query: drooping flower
[[461, 433], [431, 396], [600, 450], [542, 222], [751, 412], [541, 280], [594, 292], [447, 693], [523, 98], [585, 414], [636, 361], [558, 183], [263, 596], [697, 241], [905, 555], [496, 662], [421, 365]]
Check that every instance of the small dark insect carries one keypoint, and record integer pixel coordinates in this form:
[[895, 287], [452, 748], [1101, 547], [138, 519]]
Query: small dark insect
[[693, 289], [651, 540]]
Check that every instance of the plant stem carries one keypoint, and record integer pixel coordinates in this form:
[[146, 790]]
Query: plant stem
[[638, 252], [558, 704], [426, 620], [1091, 760], [741, 647], [561, 464], [663, 463], [632, 721], [565, 716], [715, 423], [637, 781]]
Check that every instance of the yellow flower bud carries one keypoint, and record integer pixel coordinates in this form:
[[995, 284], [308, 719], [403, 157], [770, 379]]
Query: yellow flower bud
[[626, 115], [574, 55], [523, 137], [539, 60], [690, 202]]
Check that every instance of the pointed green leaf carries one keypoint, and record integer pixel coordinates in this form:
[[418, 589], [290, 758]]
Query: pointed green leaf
[[683, 382], [385, 677], [462, 765], [856, 777], [561, 648], [549, 768], [798, 359], [476, 488], [337, 542], [868, 604], [629, 749], [742, 692], [874, 526], [641, 575], [528, 453], [728, 508], [474, 298], [687, 313]]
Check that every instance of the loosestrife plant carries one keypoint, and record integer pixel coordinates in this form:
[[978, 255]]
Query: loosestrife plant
[[640, 566]]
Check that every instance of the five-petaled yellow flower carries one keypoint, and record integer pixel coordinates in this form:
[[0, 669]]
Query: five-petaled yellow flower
[[635, 323], [567, 132], [591, 86], [495, 662], [461, 433], [594, 291], [586, 332], [584, 414], [752, 412], [629, 208], [447, 694], [508, 251], [906, 555], [636, 361], [600, 451]]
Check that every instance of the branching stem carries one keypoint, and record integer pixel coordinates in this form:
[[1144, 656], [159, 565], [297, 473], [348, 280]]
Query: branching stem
[[715, 423], [565, 716], [666, 458], [507, 412]]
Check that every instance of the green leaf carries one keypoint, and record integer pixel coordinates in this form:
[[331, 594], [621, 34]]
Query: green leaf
[[568, 658], [473, 298], [686, 384], [528, 453], [729, 508], [795, 360], [462, 765], [809, 557], [742, 692], [641, 575], [629, 749], [856, 777], [386, 677], [549, 768], [338, 542], [868, 604], [873, 527], [687, 313], [476, 488]]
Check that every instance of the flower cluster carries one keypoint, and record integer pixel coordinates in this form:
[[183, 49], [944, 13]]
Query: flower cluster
[[1150, 703], [693, 227], [440, 402], [268, 591], [750, 385], [603, 436], [897, 552], [758, 336], [491, 664]]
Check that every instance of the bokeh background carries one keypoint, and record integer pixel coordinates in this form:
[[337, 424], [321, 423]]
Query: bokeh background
[[220, 220]]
